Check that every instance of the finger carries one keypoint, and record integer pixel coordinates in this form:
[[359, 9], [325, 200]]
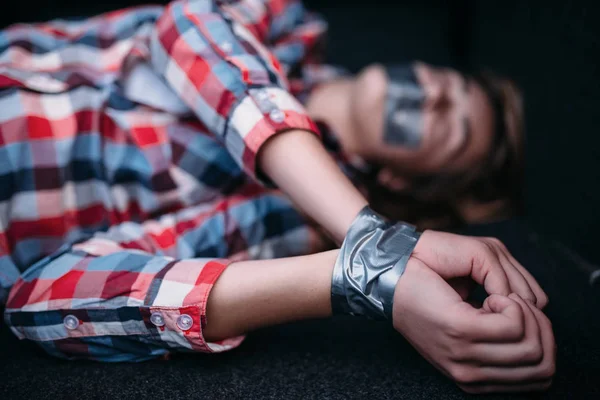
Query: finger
[[548, 340], [488, 272], [384, 176], [486, 305], [507, 388], [502, 324], [528, 351], [518, 283], [455, 256], [544, 370], [541, 296], [391, 181]]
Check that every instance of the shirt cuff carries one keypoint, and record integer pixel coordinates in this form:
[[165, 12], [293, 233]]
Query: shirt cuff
[[157, 301], [180, 303], [261, 114]]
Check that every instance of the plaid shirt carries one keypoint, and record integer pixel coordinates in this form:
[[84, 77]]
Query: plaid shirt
[[127, 166]]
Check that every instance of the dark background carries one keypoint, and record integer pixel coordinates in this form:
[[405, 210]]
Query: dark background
[[550, 48]]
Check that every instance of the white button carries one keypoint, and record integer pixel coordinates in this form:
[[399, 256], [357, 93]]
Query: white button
[[277, 115], [71, 322], [157, 319], [185, 322], [227, 47], [262, 95], [45, 82]]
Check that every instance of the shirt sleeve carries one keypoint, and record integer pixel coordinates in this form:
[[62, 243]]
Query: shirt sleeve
[[140, 290], [223, 59], [111, 303]]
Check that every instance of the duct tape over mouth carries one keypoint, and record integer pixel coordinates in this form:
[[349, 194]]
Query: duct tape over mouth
[[405, 98]]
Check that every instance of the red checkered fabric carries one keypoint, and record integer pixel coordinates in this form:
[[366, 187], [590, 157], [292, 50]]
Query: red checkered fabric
[[134, 135]]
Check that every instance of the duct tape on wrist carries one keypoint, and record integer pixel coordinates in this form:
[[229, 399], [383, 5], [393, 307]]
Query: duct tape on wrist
[[372, 259]]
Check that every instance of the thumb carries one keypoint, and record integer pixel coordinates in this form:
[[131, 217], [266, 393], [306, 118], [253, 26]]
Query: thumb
[[498, 304], [455, 256], [501, 320], [489, 273]]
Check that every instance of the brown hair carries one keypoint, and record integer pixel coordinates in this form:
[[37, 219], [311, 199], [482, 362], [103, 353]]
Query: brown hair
[[445, 201]]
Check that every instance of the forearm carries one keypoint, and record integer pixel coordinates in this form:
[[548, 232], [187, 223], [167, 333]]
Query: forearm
[[299, 164], [253, 294]]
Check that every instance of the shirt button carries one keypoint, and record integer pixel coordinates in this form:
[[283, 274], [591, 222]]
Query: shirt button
[[157, 319], [262, 95], [71, 322], [184, 322], [227, 47], [277, 116]]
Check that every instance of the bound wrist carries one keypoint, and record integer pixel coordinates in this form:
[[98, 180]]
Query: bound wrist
[[371, 260]]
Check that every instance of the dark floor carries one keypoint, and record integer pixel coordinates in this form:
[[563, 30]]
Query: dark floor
[[341, 358]]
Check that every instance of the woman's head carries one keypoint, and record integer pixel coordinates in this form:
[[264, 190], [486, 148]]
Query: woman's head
[[469, 153]]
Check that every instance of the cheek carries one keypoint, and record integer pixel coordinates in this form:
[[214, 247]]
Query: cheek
[[481, 145], [427, 125], [475, 153], [368, 119], [482, 151], [368, 99], [434, 133]]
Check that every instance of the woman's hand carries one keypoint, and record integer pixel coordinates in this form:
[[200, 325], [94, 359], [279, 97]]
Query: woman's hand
[[506, 346]]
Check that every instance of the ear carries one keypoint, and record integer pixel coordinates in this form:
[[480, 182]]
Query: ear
[[392, 181]]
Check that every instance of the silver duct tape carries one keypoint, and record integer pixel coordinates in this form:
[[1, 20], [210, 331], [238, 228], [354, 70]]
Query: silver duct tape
[[403, 108], [371, 260]]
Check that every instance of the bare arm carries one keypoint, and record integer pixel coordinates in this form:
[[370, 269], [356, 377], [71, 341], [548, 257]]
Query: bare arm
[[254, 294], [299, 164]]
